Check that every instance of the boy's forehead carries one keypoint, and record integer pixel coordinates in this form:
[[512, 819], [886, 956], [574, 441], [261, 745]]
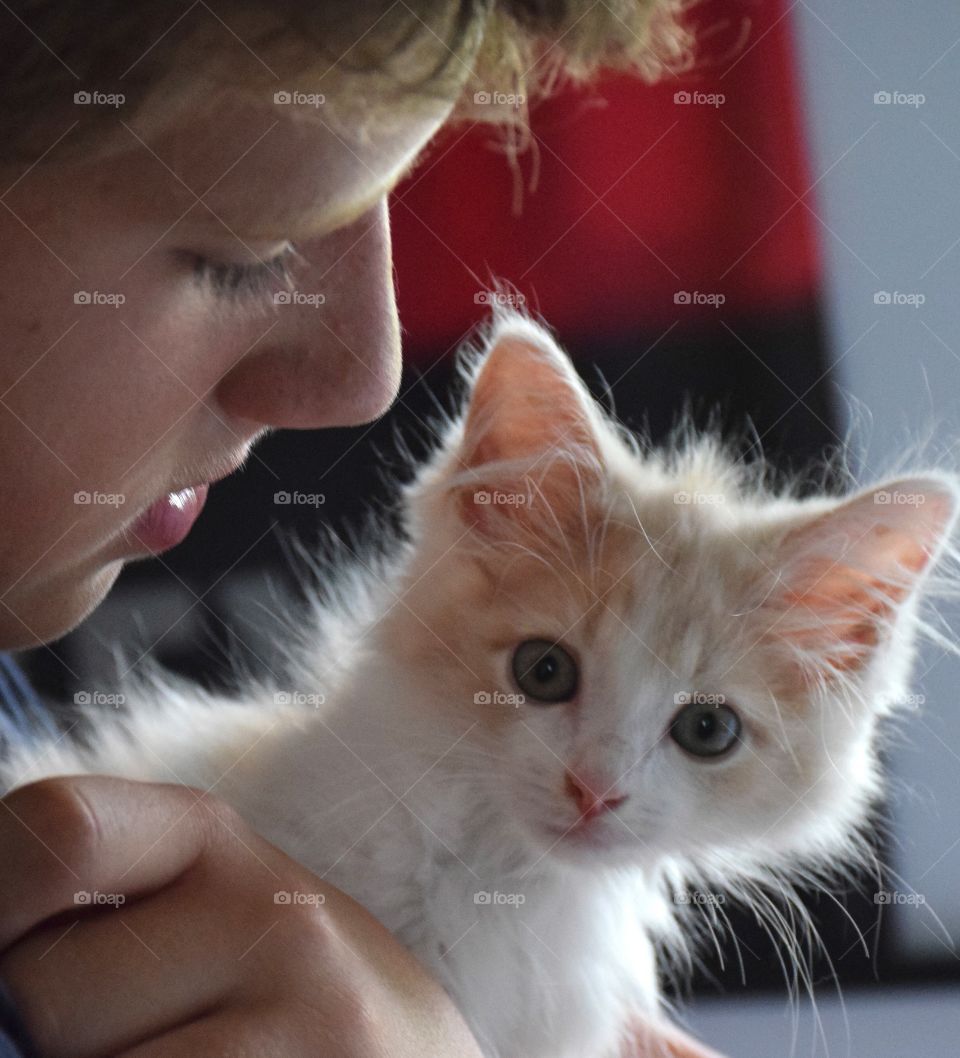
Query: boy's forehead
[[272, 172]]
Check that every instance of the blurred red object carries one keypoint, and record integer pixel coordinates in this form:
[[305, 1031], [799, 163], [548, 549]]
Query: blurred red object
[[696, 186]]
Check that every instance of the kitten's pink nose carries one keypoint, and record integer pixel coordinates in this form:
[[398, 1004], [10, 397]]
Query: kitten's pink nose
[[589, 803]]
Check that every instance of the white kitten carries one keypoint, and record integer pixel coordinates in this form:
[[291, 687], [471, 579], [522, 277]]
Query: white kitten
[[590, 680]]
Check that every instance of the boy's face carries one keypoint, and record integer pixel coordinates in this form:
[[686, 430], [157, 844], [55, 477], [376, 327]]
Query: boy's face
[[127, 375]]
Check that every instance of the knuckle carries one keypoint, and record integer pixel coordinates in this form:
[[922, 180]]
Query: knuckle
[[60, 815], [341, 1024], [222, 821], [313, 925], [356, 1019], [306, 940]]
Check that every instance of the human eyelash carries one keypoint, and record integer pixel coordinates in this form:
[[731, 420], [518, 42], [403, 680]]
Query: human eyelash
[[238, 281]]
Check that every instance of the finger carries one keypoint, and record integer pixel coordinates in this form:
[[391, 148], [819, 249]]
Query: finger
[[250, 1033], [662, 1040], [94, 833], [155, 963]]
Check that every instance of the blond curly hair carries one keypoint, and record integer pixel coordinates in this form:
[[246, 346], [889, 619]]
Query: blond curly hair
[[161, 58]]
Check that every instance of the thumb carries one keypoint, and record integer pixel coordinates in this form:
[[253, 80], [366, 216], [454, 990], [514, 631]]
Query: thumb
[[657, 1039]]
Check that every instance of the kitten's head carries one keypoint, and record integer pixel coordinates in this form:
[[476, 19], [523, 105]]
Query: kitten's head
[[652, 655]]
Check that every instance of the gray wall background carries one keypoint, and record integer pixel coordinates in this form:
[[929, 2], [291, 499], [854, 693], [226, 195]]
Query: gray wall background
[[888, 207], [886, 195]]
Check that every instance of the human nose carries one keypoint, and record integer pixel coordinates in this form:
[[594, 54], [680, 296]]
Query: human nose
[[333, 361]]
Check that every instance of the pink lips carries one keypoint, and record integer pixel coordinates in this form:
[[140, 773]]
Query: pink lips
[[165, 523]]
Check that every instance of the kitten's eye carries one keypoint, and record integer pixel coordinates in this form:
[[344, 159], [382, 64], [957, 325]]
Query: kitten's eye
[[705, 729], [544, 671]]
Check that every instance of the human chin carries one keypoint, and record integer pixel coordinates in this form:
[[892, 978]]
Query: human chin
[[36, 613]]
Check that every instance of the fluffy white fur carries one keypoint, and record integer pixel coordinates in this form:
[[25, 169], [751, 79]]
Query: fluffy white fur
[[415, 796]]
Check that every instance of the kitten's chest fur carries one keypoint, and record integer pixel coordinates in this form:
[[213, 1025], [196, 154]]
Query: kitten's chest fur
[[544, 961], [548, 976]]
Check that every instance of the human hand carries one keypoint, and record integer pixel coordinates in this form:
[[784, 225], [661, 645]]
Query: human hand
[[181, 948], [660, 1039]]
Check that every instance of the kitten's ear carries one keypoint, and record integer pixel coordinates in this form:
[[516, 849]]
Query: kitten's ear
[[844, 574], [533, 426]]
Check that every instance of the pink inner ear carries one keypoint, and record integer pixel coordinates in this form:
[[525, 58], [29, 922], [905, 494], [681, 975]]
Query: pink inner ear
[[527, 402], [848, 571], [840, 614]]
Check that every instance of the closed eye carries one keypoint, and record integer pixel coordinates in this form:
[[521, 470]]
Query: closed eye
[[234, 280]]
